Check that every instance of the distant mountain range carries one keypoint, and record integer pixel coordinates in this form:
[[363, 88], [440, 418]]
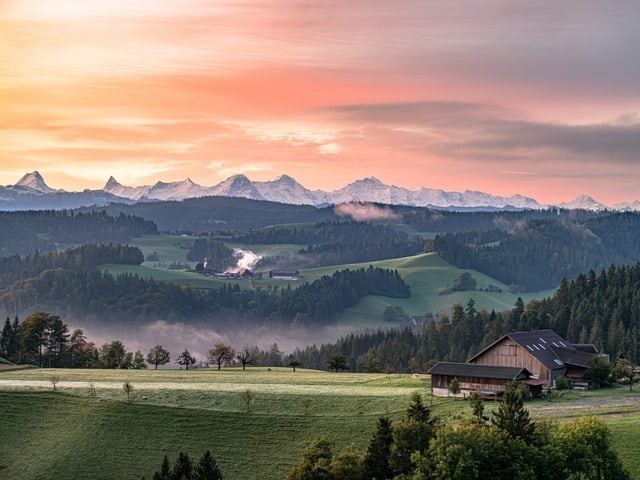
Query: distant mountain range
[[32, 192]]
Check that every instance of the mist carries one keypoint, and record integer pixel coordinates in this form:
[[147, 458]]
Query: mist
[[363, 212], [200, 338]]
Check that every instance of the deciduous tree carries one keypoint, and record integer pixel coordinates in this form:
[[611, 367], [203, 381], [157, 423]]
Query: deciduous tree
[[220, 354], [158, 356], [186, 359]]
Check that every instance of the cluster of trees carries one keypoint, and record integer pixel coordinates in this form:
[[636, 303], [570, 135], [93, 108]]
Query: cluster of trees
[[206, 468], [537, 254], [17, 269], [47, 230], [508, 445], [217, 255], [44, 340]]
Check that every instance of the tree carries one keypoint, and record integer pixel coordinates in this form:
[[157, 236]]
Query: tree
[[138, 361], [207, 468], [185, 359], [337, 362], [623, 372], [294, 363], [127, 388], [9, 340], [246, 356], [376, 460], [34, 332], [221, 353], [158, 356], [113, 355], [183, 468], [511, 416], [477, 407], [248, 396], [587, 444], [454, 386], [165, 470], [316, 462], [599, 371]]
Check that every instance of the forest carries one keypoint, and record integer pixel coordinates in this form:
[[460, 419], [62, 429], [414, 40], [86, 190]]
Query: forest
[[539, 253], [49, 230], [602, 309], [70, 279]]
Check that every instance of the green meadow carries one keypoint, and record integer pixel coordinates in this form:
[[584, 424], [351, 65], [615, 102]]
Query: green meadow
[[427, 274], [256, 423]]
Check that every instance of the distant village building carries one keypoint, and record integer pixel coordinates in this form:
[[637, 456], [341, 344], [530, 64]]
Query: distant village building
[[536, 359], [284, 274]]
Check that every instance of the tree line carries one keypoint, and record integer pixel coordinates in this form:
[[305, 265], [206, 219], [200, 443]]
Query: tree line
[[506, 445], [47, 230], [538, 253], [602, 309], [70, 280]]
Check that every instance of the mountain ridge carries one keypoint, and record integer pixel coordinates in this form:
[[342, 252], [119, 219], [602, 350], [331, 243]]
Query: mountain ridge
[[283, 189]]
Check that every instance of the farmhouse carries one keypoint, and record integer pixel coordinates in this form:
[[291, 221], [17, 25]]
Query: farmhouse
[[535, 359]]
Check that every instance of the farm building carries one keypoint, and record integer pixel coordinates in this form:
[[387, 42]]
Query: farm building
[[544, 355], [486, 379], [284, 274]]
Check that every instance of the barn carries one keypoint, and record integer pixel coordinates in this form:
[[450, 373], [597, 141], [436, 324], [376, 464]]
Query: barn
[[538, 358]]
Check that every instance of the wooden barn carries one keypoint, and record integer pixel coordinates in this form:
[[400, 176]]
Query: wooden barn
[[490, 381], [536, 359]]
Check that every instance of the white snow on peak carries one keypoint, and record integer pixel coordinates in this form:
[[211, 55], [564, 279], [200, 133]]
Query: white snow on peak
[[35, 182], [583, 202]]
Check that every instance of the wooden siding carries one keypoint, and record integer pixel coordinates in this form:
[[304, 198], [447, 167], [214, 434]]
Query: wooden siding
[[470, 383], [508, 353]]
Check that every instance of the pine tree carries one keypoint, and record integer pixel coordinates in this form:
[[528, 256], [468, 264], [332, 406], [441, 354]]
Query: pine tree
[[207, 468], [376, 461], [511, 416]]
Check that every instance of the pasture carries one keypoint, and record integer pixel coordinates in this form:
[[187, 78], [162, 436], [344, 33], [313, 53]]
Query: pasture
[[256, 423], [427, 275]]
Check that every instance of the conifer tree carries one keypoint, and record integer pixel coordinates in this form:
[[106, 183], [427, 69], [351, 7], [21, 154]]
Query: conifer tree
[[511, 416], [207, 468], [376, 460]]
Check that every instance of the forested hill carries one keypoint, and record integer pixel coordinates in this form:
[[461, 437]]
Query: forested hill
[[69, 284], [601, 309], [538, 253], [215, 214], [26, 232]]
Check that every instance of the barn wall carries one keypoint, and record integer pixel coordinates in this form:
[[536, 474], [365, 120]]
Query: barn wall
[[508, 353]]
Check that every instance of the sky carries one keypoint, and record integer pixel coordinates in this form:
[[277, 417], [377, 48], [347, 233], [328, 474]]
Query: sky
[[538, 98]]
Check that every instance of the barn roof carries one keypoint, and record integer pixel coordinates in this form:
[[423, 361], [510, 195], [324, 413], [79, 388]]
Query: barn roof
[[474, 370], [544, 345]]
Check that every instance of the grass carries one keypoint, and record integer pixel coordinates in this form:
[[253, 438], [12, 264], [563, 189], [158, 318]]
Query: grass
[[70, 433], [427, 274]]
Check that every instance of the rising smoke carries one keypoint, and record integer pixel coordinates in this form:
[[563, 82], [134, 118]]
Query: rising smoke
[[245, 260]]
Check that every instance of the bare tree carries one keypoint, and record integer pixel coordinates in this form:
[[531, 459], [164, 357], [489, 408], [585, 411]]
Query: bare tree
[[246, 356], [221, 353], [248, 396], [127, 388]]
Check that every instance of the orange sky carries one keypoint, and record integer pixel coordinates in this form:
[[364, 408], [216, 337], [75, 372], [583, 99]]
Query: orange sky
[[499, 96]]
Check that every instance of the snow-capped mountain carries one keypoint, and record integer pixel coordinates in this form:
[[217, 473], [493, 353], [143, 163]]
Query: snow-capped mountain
[[33, 181], [32, 192], [115, 188], [584, 202]]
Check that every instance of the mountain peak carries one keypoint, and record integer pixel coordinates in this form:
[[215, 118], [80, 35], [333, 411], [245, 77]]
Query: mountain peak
[[34, 181], [111, 183]]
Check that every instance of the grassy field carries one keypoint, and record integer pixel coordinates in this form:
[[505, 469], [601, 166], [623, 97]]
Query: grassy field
[[74, 433], [427, 274]]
